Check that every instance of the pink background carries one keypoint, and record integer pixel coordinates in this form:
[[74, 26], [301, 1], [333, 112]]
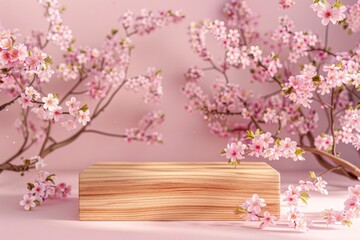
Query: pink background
[[186, 136]]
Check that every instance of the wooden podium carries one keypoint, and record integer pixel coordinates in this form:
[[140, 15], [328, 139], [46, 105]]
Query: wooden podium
[[174, 190]]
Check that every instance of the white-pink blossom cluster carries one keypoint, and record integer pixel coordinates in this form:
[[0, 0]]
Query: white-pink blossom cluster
[[251, 210], [20, 66], [59, 33], [150, 82], [300, 88], [351, 209], [197, 34], [148, 121], [300, 193], [353, 17], [299, 42], [350, 127], [263, 145], [284, 4], [239, 16], [323, 142], [294, 196], [43, 187], [148, 21], [284, 30], [194, 74]]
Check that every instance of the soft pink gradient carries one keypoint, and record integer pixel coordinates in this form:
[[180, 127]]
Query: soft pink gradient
[[58, 219], [186, 136]]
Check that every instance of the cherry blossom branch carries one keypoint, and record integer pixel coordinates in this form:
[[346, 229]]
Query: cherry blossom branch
[[223, 72], [47, 136], [71, 91], [351, 91], [104, 133], [3, 106], [341, 162], [330, 170], [332, 121], [313, 49], [114, 57]]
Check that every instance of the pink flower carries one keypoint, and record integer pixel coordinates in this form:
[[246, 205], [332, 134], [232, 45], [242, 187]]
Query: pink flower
[[267, 139], [57, 113], [287, 147], [62, 190], [254, 204], [252, 217], [338, 216], [32, 92], [355, 191], [256, 147], [323, 142], [267, 220], [25, 101], [28, 202], [353, 17], [328, 214], [294, 215], [73, 105], [38, 189], [301, 225], [284, 4], [50, 102], [22, 52], [83, 117], [292, 195], [328, 13], [352, 203], [6, 43], [320, 186], [234, 151]]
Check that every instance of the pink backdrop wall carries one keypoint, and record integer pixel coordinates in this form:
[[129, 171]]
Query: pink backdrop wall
[[186, 136]]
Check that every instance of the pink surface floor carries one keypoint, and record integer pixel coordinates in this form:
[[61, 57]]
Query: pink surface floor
[[57, 219]]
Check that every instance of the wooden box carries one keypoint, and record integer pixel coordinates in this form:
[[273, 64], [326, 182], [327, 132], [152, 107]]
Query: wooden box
[[174, 190]]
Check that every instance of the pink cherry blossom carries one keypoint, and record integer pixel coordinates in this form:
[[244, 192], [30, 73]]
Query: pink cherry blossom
[[25, 101], [28, 202], [234, 151], [38, 189], [320, 186], [352, 203], [73, 106], [57, 114], [6, 43], [286, 3], [287, 147], [84, 117], [323, 142], [50, 102], [267, 220], [329, 13], [301, 225], [353, 17], [355, 191], [255, 203]]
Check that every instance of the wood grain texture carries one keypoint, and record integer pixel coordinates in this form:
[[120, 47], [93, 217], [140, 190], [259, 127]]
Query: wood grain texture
[[174, 191]]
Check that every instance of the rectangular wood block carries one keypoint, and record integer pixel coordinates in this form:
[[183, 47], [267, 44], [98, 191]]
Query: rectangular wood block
[[174, 190]]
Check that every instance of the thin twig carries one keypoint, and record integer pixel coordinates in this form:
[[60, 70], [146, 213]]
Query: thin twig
[[105, 133], [332, 127]]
